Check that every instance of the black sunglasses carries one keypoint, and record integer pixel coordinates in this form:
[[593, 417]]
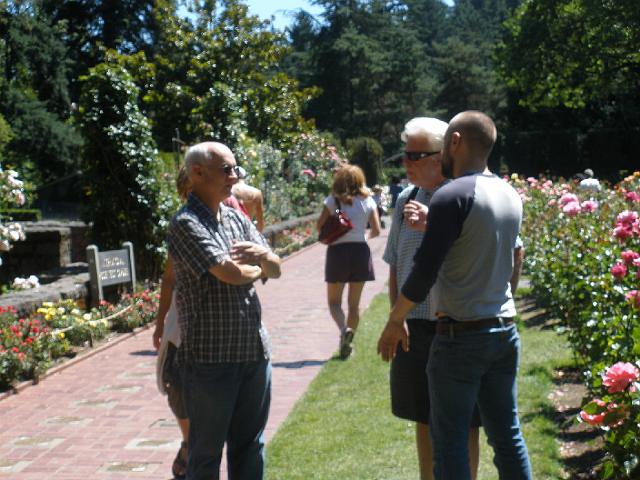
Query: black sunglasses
[[227, 169], [415, 156]]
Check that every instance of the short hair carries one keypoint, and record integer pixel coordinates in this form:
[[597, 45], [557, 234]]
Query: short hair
[[199, 154], [183, 184], [430, 129], [477, 129], [349, 182]]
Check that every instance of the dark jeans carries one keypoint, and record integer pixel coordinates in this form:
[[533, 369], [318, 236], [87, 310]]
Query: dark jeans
[[227, 402], [476, 365]]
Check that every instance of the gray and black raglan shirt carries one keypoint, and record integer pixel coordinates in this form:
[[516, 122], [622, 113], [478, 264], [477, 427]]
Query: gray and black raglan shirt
[[474, 222]]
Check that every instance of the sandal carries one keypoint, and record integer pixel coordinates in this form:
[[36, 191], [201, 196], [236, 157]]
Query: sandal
[[179, 467]]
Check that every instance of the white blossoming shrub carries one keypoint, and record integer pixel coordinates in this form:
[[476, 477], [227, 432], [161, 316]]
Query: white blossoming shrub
[[11, 194]]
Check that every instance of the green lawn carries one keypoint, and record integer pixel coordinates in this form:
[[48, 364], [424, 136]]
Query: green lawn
[[343, 429]]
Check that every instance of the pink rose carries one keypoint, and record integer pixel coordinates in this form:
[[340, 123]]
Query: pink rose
[[571, 209], [627, 218], [568, 198], [632, 197], [622, 232], [589, 206], [628, 256], [595, 418], [633, 297], [619, 376], [619, 270]]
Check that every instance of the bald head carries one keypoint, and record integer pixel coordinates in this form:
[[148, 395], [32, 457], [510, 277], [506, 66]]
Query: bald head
[[204, 153], [477, 130]]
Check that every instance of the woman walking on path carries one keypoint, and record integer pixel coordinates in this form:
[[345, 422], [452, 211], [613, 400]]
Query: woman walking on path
[[348, 258], [166, 340]]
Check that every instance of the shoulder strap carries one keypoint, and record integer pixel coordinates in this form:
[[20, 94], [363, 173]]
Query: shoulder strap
[[337, 203]]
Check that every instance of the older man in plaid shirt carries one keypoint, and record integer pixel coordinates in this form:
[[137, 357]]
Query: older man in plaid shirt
[[218, 255]]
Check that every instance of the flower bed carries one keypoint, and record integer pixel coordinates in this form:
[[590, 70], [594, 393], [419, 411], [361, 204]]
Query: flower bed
[[582, 257], [29, 346]]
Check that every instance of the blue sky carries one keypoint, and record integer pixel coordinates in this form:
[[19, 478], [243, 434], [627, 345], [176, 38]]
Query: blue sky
[[280, 9]]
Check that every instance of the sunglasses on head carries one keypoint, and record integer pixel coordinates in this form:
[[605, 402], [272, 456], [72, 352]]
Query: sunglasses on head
[[415, 156]]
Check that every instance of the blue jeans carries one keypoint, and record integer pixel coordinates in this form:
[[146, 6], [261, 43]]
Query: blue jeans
[[227, 402], [476, 366]]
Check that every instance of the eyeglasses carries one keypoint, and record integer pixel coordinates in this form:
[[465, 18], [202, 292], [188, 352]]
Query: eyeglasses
[[228, 169], [415, 156]]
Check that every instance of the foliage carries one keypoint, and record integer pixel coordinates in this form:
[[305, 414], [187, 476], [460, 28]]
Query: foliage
[[11, 194], [34, 95], [143, 308], [294, 183], [572, 52], [367, 154], [77, 327], [584, 243], [123, 179], [25, 347], [29, 345]]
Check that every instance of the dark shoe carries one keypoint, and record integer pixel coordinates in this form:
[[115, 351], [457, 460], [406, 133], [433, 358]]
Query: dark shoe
[[179, 467], [345, 343]]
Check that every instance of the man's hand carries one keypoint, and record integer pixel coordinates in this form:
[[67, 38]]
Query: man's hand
[[393, 334], [248, 253], [416, 214]]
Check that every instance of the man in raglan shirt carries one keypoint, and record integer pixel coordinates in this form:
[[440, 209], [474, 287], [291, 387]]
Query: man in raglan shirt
[[468, 247]]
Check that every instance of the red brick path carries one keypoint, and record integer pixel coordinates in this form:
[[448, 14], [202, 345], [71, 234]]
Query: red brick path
[[102, 417]]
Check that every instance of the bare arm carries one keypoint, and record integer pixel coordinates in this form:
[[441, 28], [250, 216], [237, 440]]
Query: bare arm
[[259, 212], [166, 293], [518, 257], [323, 218], [374, 222], [393, 284], [250, 253], [236, 273]]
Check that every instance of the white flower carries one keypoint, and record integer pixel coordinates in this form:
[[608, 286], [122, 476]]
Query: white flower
[[33, 281], [589, 184], [19, 283]]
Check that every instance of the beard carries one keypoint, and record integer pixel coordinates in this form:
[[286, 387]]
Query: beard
[[446, 166]]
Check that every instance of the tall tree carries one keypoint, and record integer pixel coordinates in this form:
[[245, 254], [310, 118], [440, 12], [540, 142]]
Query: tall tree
[[34, 95]]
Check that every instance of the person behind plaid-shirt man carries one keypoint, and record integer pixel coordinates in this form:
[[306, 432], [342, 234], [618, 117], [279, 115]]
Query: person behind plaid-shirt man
[[218, 254]]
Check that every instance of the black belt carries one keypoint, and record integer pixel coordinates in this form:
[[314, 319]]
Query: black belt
[[449, 326]]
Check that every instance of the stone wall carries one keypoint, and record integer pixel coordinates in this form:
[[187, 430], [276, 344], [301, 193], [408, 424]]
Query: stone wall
[[48, 245]]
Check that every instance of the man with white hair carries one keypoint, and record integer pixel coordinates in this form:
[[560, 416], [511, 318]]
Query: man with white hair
[[224, 356], [250, 198], [467, 253], [423, 139]]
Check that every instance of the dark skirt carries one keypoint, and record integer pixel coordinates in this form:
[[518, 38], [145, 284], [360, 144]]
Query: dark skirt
[[348, 262]]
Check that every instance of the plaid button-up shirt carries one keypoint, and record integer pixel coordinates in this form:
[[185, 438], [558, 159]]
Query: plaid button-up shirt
[[219, 322]]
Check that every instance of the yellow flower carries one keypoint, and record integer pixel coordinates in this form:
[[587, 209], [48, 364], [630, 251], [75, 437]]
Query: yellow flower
[[60, 310], [48, 317], [47, 304], [61, 335], [41, 310]]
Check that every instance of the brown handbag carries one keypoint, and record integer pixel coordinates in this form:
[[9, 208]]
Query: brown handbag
[[335, 227]]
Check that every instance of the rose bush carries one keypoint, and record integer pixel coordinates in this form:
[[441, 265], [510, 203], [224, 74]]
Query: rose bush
[[582, 257]]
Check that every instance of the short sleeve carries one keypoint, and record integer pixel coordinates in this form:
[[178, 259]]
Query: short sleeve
[[193, 245]]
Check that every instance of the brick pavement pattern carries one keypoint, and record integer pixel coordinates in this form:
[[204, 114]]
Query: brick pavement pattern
[[102, 418]]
